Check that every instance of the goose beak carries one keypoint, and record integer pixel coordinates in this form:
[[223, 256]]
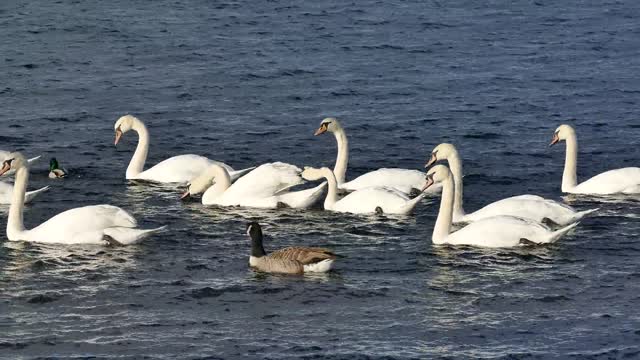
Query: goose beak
[[118, 136], [554, 140], [5, 167], [429, 183], [432, 160]]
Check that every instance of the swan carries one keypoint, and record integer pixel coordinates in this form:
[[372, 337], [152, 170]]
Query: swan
[[265, 187], [178, 169], [6, 192], [98, 224], [55, 171], [366, 201], [291, 260], [625, 180], [531, 207], [496, 231], [4, 155], [404, 180]]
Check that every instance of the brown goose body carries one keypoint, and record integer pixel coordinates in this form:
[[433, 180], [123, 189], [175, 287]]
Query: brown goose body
[[291, 260]]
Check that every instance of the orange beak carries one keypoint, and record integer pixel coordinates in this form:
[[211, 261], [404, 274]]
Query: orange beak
[[118, 136], [554, 140], [5, 167], [432, 160], [321, 130], [429, 183], [185, 195]]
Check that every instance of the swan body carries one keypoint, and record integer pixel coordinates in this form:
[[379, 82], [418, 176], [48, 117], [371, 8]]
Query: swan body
[[4, 155], [366, 201], [618, 181], [496, 231], [291, 260], [268, 186], [6, 192], [403, 180], [178, 169], [98, 224], [526, 206]]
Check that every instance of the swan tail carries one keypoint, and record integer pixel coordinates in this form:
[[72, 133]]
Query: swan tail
[[304, 198], [556, 235], [580, 214], [128, 236], [31, 194], [319, 267], [34, 159], [236, 174], [410, 205]]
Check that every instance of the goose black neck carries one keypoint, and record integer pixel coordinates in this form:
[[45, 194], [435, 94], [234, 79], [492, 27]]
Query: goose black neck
[[257, 250]]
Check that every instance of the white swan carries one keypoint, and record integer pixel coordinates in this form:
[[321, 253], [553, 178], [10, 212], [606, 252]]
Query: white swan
[[531, 207], [178, 169], [625, 180], [98, 224], [265, 187], [496, 231], [404, 180], [4, 155], [366, 201], [6, 193]]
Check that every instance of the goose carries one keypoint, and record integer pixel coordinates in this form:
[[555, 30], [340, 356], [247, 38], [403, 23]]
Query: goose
[[625, 180], [265, 187], [365, 201], [55, 172], [404, 180], [4, 155], [98, 224], [527, 206], [178, 169], [495, 231], [291, 260]]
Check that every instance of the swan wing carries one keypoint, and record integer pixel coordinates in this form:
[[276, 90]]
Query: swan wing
[[179, 169], [623, 180], [265, 181], [367, 200], [533, 208], [500, 231], [404, 180]]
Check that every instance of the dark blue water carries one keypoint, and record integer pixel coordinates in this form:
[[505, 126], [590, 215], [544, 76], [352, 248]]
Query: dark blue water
[[247, 83]]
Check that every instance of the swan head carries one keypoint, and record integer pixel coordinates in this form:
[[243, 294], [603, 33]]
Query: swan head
[[199, 184], [441, 152], [436, 174], [329, 124], [124, 124], [312, 174], [563, 132], [15, 161]]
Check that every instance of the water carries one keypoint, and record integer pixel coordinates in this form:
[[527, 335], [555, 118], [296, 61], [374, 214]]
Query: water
[[249, 82]]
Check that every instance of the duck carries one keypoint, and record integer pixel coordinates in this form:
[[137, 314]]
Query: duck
[[501, 231], [404, 180], [618, 181], [370, 200], [55, 172], [267, 186], [291, 260], [526, 206], [96, 224], [178, 169]]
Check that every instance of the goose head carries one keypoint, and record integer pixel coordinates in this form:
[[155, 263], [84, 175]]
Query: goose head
[[441, 152], [436, 174], [255, 233], [199, 184], [329, 124], [563, 132], [15, 161], [312, 174], [124, 124]]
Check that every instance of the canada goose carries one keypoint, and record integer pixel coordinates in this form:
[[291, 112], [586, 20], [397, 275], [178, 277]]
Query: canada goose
[[291, 260]]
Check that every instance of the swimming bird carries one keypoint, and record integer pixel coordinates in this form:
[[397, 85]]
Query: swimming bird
[[55, 172]]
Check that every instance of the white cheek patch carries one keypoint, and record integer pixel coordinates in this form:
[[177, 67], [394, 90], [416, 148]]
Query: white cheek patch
[[249, 230]]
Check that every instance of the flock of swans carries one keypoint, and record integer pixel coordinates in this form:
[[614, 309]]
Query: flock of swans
[[514, 221]]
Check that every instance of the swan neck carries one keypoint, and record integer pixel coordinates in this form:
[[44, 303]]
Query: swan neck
[[342, 159], [455, 165], [569, 176], [136, 165], [15, 223], [445, 214], [332, 192], [221, 177]]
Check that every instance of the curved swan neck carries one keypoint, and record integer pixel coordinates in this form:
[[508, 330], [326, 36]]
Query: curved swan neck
[[342, 160], [136, 165], [15, 223], [445, 214], [332, 193], [569, 176], [455, 165], [221, 177]]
